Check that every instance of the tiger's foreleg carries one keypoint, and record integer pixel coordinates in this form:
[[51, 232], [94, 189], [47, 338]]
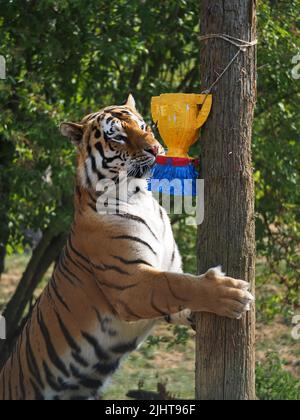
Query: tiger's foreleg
[[156, 294]]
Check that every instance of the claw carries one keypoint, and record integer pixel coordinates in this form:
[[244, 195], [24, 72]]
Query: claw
[[216, 272]]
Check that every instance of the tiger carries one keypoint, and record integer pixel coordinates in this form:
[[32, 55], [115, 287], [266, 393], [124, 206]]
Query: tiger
[[119, 274]]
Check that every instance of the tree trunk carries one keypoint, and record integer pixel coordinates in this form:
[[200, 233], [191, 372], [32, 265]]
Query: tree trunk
[[225, 349], [47, 252]]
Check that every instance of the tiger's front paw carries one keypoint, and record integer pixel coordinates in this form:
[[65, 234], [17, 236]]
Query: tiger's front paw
[[225, 296]]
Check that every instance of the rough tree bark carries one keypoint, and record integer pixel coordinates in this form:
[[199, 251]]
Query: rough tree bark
[[47, 252], [225, 349]]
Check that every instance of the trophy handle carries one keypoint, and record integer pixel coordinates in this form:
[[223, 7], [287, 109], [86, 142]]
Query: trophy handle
[[206, 102], [155, 108]]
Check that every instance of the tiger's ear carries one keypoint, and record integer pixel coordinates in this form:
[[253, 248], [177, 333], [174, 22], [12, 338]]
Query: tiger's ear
[[131, 102], [73, 131]]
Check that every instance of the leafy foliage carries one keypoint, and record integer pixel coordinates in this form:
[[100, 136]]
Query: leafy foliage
[[274, 383], [66, 59], [277, 146]]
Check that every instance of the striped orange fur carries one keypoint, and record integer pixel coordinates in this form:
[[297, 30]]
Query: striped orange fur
[[117, 276]]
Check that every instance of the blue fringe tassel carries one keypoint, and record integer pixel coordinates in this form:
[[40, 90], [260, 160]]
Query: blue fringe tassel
[[174, 180]]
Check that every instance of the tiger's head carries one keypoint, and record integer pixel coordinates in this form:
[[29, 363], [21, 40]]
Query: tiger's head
[[111, 141]]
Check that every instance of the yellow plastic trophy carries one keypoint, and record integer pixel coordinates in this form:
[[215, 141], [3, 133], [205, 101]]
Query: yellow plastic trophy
[[179, 118]]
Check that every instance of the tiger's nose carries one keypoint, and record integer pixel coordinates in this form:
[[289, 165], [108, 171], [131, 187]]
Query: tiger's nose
[[154, 150]]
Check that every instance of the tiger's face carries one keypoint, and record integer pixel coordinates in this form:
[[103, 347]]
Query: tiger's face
[[111, 141]]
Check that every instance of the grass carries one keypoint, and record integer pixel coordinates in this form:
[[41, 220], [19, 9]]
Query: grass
[[14, 268], [151, 365]]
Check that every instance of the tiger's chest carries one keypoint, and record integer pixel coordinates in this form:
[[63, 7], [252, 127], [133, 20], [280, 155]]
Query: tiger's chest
[[110, 340], [161, 240], [118, 338]]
